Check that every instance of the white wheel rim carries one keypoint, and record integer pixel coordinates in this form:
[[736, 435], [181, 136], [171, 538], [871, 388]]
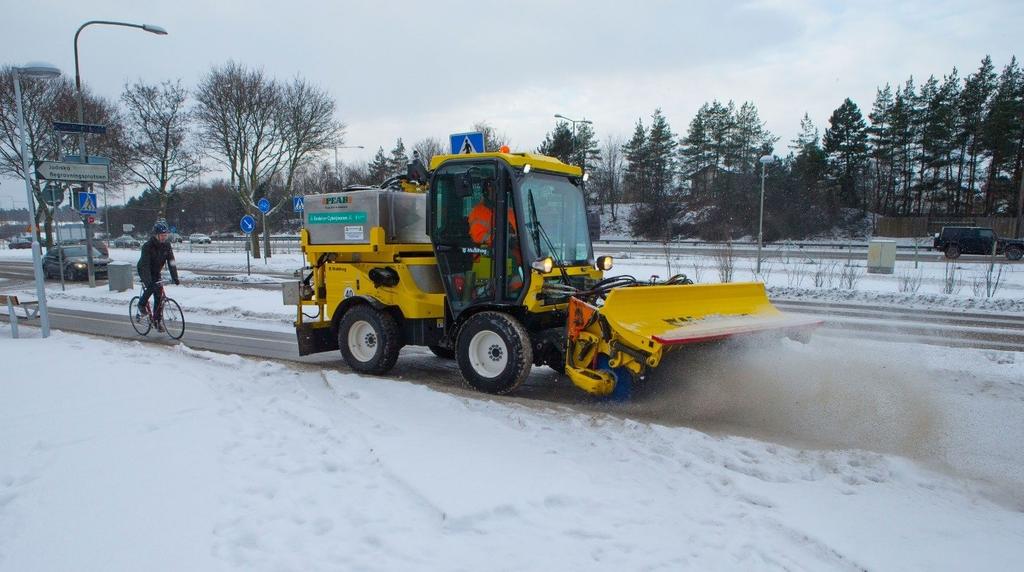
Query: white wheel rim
[[362, 340], [488, 354]]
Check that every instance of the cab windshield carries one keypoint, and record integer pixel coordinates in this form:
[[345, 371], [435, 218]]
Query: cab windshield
[[556, 219]]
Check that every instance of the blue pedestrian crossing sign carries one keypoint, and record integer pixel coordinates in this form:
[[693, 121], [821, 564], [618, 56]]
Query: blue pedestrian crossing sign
[[463, 143], [263, 205], [247, 224], [87, 203], [298, 204]]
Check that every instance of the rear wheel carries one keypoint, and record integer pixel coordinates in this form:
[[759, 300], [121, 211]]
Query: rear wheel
[[1014, 252], [952, 251], [369, 340], [139, 321], [173, 319], [494, 352]]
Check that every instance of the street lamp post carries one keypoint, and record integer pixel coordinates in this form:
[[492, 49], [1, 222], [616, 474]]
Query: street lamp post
[[765, 159], [574, 122], [42, 71], [81, 119]]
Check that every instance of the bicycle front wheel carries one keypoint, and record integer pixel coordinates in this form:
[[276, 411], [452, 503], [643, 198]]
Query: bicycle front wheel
[[174, 319], [140, 322]]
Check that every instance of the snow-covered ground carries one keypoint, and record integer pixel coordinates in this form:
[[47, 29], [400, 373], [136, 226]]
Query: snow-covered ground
[[838, 454]]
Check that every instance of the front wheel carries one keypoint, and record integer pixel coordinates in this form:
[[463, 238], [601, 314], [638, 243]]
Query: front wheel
[[952, 251], [173, 319], [494, 352], [1014, 253], [139, 321], [369, 340]]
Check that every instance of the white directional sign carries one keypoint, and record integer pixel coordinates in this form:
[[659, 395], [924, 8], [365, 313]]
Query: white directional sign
[[73, 172]]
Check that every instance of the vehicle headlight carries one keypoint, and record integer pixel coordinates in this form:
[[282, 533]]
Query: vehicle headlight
[[543, 264], [604, 263], [80, 265]]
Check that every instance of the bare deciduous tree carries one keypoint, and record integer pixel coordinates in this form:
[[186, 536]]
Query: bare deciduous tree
[[157, 123], [428, 148], [263, 132], [493, 139]]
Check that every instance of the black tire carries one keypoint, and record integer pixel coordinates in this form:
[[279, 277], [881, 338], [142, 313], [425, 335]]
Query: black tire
[[173, 319], [494, 352], [369, 340], [69, 273], [1014, 252], [139, 322], [952, 251], [442, 352]]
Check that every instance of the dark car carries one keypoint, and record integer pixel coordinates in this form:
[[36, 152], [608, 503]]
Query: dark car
[[75, 259], [19, 242], [957, 240], [127, 241]]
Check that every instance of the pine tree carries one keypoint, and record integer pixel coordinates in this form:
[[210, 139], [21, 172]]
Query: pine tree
[[379, 168], [661, 146], [398, 162], [845, 143], [882, 151], [978, 89], [558, 143], [635, 176], [1001, 138]]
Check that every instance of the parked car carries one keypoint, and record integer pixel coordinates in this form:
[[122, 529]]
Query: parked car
[[19, 242], [199, 238], [75, 258], [175, 237], [957, 240], [127, 241]]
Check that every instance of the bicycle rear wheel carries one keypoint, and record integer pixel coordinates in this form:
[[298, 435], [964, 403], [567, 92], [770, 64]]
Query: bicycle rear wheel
[[140, 322], [173, 318]]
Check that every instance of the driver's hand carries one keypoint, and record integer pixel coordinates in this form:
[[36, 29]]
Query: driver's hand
[[177, 282]]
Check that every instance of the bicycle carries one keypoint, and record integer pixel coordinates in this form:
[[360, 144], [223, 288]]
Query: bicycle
[[172, 320]]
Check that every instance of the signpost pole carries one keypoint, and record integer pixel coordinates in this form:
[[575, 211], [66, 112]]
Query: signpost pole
[[248, 269]]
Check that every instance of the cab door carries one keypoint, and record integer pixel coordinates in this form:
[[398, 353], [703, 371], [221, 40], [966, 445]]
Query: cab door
[[467, 268]]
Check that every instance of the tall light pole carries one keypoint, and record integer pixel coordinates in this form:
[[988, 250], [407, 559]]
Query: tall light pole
[[765, 159], [81, 119], [337, 175], [42, 71], [574, 122]]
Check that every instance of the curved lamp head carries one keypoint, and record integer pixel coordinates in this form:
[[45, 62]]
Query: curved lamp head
[[765, 159], [40, 70], [560, 116], [153, 29]]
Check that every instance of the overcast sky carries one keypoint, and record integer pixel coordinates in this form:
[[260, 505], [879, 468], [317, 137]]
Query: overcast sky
[[428, 69]]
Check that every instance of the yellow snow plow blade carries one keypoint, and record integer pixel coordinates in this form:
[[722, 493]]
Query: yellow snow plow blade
[[674, 315], [637, 323]]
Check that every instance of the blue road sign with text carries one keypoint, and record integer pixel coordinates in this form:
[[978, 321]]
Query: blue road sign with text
[[463, 143], [247, 224]]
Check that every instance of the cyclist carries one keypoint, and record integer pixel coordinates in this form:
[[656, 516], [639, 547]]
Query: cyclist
[[155, 253]]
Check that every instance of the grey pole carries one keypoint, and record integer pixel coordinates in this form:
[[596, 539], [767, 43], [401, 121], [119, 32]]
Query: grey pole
[[81, 119], [37, 263], [760, 219]]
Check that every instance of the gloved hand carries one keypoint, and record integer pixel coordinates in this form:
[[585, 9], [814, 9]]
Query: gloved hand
[[177, 282]]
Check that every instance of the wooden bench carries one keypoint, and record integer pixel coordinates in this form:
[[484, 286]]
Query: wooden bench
[[29, 309]]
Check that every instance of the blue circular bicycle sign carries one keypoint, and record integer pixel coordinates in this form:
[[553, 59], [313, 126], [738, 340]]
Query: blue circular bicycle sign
[[247, 223], [263, 205]]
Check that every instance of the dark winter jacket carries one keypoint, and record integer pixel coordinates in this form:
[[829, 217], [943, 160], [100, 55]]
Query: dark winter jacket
[[154, 255]]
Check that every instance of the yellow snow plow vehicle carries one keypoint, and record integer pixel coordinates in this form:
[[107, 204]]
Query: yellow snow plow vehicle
[[486, 258]]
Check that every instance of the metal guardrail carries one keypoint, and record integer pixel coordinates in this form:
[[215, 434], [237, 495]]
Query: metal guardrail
[[752, 244]]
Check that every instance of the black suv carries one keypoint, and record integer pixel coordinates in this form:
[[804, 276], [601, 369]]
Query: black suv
[[957, 240]]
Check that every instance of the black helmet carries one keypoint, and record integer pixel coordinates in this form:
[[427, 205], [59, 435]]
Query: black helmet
[[160, 228]]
